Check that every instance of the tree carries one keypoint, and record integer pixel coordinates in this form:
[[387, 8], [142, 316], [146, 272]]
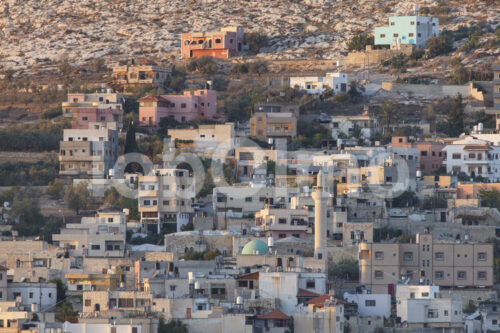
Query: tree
[[65, 68], [76, 197], [387, 115], [258, 67], [490, 198], [130, 141], [470, 307], [460, 75], [173, 326], [204, 65], [455, 119], [65, 312], [28, 216], [97, 65], [55, 189], [239, 69], [256, 40], [406, 199], [440, 45], [345, 269], [359, 42]]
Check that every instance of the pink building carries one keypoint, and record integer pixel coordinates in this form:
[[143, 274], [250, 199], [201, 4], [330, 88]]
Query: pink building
[[83, 116], [226, 43], [196, 104], [431, 153]]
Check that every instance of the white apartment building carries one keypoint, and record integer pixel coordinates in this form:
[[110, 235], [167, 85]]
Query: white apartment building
[[28, 293], [101, 236], [476, 155], [106, 99], [338, 82], [205, 135], [348, 125], [285, 287], [89, 153], [371, 304], [165, 199], [422, 306]]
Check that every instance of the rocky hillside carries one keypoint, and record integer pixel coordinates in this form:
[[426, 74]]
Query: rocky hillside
[[37, 34]]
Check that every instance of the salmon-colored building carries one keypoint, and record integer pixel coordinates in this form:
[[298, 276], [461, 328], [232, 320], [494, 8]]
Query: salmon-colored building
[[195, 104], [226, 43], [472, 190], [83, 116], [431, 155]]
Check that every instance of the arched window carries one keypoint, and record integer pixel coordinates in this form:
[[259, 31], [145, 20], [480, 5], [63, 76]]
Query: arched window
[[217, 40]]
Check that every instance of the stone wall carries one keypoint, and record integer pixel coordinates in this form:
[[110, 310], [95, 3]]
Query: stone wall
[[427, 90]]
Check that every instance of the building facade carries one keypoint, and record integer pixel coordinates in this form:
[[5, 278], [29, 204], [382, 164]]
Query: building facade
[[338, 82], [165, 199], [265, 125], [446, 264], [142, 73], [226, 43], [99, 100], [432, 156], [89, 153], [189, 106], [415, 30]]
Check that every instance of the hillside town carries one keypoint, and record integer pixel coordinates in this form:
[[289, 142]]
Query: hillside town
[[253, 173]]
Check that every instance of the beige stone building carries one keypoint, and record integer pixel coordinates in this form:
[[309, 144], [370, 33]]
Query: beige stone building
[[269, 125], [89, 153], [446, 264], [165, 199], [205, 135], [141, 73]]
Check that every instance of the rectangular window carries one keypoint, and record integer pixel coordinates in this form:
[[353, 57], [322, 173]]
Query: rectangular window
[[96, 247], [439, 275], [311, 284], [379, 255], [423, 153], [88, 302], [183, 105], [370, 302], [381, 36], [461, 275], [432, 313], [481, 256], [395, 35], [282, 221], [456, 156], [408, 256], [248, 199], [439, 256], [481, 275], [379, 274]]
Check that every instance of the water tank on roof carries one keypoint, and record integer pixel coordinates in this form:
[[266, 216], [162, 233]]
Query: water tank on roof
[[191, 277], [197, 285], [270, 241]]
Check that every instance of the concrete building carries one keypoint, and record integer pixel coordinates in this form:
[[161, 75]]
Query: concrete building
[[226, 43], [432, 156], [3, 283], [84, 117], [371, 304], [265, 126], [205, 135], [349, 125], [285, 286], [475, 157], [422, 307], [99, 100], [140, 73], [320, 315], [277, 107], [89, 153], [165, 199], [446, 264], [415, 30], [281, 223], [100, 236], [191, 105], [44, 295], [338, 82]]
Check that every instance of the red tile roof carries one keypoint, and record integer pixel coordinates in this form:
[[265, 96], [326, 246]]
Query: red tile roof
[[275, 314], [319, 300], [477, 147], [306, 293], [153, 98], [250, 276]]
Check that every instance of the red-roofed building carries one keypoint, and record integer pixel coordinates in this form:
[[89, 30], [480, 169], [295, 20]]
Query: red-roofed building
[[274, 321]]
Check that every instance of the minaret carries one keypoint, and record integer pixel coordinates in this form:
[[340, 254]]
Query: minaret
[[320, 222]]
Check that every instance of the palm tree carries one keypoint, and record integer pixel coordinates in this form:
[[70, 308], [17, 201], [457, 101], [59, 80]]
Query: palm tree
[[387, 115]]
